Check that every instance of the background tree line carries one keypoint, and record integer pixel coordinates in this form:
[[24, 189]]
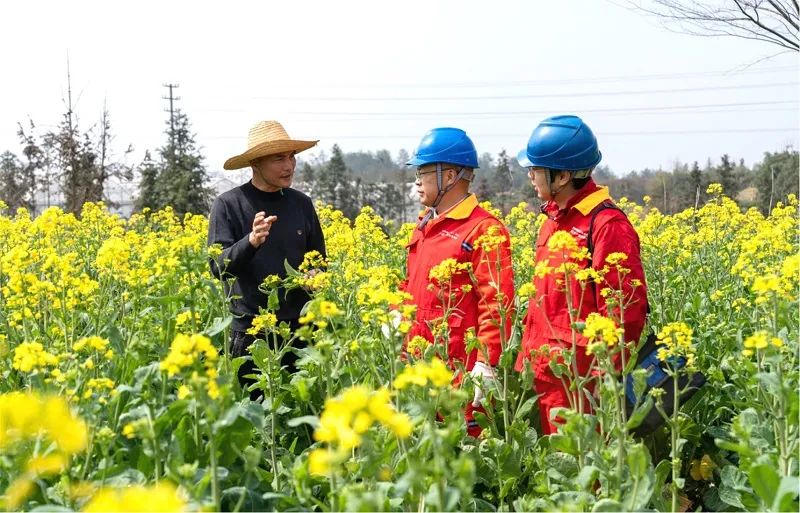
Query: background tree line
[[70, 166], [351, 180]]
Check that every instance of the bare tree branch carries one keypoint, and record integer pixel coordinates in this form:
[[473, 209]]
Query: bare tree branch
[[771, 21]]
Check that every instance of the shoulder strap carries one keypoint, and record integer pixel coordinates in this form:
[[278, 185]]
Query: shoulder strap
[[606, 205]]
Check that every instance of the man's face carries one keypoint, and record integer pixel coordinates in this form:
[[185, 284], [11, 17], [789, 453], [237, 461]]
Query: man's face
[[539, 178], [426, 182], [275, 172]]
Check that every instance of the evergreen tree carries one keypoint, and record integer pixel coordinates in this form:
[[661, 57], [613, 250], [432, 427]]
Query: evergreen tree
[[37, 163], [696, 181], [502, 183], [726, 178], [777, 178], [307, 176], [148, 184], [335, 184], [182, 180], [402, 158], [483, 190], [179, 178], [14, 188]]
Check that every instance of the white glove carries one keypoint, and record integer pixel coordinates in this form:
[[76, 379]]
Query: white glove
[[394, 322], [484, 377]]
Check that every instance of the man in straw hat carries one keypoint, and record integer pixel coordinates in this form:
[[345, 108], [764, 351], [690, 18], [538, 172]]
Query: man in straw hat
[[259, 225]]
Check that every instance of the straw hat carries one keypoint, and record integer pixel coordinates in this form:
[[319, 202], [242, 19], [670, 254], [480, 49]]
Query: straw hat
[[266, 138]]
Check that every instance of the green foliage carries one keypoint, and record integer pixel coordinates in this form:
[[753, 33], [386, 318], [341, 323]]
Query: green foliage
[[178, 178]]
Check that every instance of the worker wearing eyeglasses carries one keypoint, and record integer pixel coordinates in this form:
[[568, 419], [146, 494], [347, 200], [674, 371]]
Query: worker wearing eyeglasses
[[454, 226]]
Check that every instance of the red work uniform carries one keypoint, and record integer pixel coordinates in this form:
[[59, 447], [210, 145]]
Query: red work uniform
[[548, 320], [453, 235]]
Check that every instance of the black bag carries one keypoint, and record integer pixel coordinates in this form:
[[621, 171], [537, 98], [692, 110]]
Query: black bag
[[657, 377], [647, 358]]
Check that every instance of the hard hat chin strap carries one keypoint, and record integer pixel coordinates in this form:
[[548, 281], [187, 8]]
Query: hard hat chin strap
[[462, 174], [583, 173]]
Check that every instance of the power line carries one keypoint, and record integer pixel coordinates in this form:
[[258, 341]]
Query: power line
[[558, 81], [511, 115], [523, 113], [601, 134], [680, 110], [527, 96]]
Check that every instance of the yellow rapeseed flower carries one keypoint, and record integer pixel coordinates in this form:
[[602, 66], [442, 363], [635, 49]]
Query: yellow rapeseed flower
[[30, 356], [562, 240], [161, 497]]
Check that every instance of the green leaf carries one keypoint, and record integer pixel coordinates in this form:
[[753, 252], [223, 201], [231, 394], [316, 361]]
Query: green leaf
[[251, 412], [508, 484], [607, 505], [563, 463], [765, 481], [167, 300], [640, 491], [770, 382], [786, 496], [731, 497], [638, 461], [639, 414], [311, 420], [220, 323], [734, 478], [663, 470], [129, 476], [525, 409], [587, 477], [273, 303]]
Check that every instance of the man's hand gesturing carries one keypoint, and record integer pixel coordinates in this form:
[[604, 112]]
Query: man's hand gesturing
[[261, 226]]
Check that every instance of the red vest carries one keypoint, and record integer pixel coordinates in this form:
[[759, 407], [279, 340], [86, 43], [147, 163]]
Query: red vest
[[453, 235]]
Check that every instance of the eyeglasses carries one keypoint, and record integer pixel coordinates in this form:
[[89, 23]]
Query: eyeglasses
[[419, 174]]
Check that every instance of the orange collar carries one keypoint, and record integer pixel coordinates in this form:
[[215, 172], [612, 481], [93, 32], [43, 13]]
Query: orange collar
[[588, 203], [461, 210]]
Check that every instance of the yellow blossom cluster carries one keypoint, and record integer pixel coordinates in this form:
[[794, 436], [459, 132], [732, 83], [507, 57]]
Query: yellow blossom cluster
[[350, 414], [29, 419], [187, 317], [675, 341], [320, 312], [422, 373], [492, 239], [262, 323], [347, 417], [445, 270], [186, 350], [160, 497], [417, 345], [31, 356], [760, 341], [599, 331], [30, 415]]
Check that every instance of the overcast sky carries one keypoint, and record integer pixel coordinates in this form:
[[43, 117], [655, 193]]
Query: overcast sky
[[378, 74]]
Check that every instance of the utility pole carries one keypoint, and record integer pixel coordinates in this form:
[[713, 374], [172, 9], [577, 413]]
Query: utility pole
[[171, 111]]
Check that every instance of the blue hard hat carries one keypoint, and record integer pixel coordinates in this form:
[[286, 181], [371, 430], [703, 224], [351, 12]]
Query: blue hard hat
[[445, 145], [565, 143]]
